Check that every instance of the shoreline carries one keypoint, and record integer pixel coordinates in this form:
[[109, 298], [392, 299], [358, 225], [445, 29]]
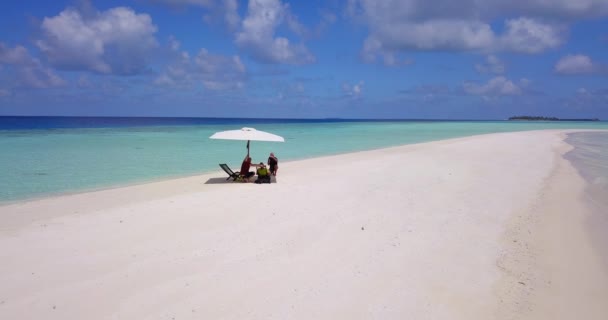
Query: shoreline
[[587, 158], [203, 173], [41, 197], [434, 240], [551, 261]]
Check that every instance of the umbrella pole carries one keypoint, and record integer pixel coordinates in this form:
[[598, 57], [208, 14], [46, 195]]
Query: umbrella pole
[[248, 148]]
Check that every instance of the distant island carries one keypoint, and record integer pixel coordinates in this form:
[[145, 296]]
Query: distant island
[[537, 118]]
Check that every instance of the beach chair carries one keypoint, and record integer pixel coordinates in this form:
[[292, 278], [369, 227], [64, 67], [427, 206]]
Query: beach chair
[[231, 174]]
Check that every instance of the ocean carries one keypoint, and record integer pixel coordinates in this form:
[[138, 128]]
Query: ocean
[[44, 156]]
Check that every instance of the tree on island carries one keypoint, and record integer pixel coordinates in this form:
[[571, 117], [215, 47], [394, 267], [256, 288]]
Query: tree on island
[[534, 118], [538, 118]]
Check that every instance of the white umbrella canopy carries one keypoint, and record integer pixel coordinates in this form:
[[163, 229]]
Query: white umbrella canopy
[[247, 134]]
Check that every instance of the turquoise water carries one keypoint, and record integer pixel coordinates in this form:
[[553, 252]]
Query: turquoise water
[[44, 162]]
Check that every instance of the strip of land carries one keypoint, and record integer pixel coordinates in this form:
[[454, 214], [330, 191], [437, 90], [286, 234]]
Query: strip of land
[[484, 227]]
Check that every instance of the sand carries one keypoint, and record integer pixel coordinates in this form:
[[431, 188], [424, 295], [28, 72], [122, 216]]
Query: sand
[[484, 227]]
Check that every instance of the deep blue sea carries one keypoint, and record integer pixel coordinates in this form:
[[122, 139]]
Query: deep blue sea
[[42, 156]]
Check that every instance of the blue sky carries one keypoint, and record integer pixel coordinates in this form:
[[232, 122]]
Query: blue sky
[[438, 59]]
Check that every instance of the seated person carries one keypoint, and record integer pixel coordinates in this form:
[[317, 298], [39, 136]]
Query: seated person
[[263, 174], [245, 173], [273, 163]]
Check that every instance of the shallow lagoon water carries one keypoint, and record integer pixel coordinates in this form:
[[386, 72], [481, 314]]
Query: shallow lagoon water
[[590, 157], [41, 160]]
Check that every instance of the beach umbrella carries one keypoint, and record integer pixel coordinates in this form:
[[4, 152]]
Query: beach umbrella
[[248, 134]]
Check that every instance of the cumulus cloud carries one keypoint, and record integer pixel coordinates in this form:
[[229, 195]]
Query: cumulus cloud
[[231, 14], [430, 92], [593, 93], [498, 86], [492, 65], [225, 11], [577, 64], [391, 59], [213, 71], [18, 55], [39, 77], [294, 92], [484, 10], [532, 26], [28, 71], [353, 90], [556, 9], [202, 3], [115, 41], [373, 51], [430, 35], [258, 38], [255, 34], [587, 98], [529, 36]]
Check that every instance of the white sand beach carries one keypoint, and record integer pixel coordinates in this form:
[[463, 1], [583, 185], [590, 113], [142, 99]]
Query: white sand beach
[[485, 227]]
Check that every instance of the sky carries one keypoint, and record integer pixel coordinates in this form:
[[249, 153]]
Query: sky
[[407, 59]]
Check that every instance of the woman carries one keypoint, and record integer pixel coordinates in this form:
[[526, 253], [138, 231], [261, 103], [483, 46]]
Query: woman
[[273, 164], [262, 172]]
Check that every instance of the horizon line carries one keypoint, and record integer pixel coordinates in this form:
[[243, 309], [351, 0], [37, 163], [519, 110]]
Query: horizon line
[[247, 118]]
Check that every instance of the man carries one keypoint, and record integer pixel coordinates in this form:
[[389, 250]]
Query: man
[[245, 173]]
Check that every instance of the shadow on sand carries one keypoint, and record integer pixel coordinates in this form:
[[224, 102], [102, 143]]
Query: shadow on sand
[[273, 179], [218, 181]]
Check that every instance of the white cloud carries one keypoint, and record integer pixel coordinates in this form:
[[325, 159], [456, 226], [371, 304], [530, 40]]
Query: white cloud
[[298, 87], [521, 35], [28, 71], [14, 56], [492, 65], [353, 90], [117, 40], [213, 71], [529, 36], [484, 10], [39, 77], [231, 14], [202, 3], [588, 98], [257, 35], [219, 10], [293, 23], [295, 92], [431, 35], [556, 9], [404, 25], [577, 64], [327, 18], [372, 51], [498, 86], [225, 11], [84, 82]]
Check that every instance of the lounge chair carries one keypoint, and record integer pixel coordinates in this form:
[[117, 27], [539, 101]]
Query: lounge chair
[[231, 174]]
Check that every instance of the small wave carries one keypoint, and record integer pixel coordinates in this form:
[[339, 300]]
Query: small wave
[[590, 158]]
